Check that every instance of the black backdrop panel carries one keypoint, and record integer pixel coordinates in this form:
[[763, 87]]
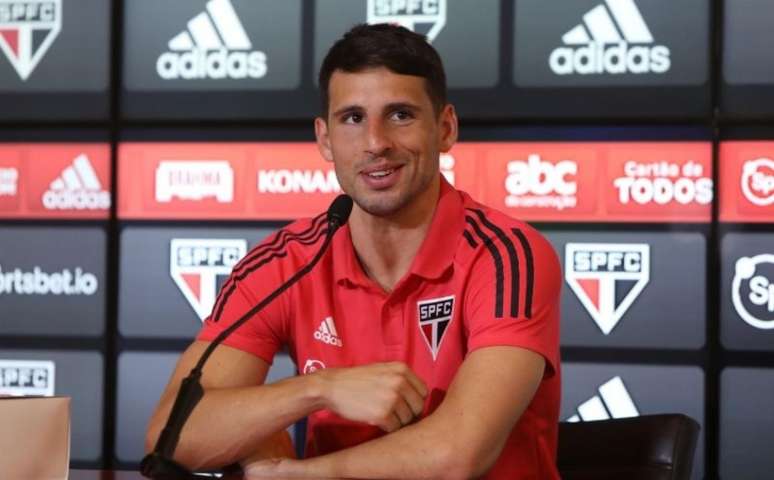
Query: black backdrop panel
[[746, 423], [62, 70], [748, 65], [154, 299], [79, 375], [642, 290], [619, 390], [212, 58], [747, 286], [52, 280]]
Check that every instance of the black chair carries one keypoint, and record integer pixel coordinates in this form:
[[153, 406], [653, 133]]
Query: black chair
[[649, 447]]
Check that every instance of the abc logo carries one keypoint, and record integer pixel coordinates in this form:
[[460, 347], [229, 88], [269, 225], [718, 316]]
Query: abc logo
[[753, 290], [537, 177]]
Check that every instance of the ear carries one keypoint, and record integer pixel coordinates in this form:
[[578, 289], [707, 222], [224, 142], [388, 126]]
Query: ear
[[449, 128], [323, 138]]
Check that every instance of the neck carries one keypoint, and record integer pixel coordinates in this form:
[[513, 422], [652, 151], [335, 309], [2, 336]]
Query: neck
[[386, 246]]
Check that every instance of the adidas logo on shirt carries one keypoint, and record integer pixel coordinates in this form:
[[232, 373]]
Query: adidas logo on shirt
[[613, 38], [214, 46], [77, 188], [613, 401], [327, 333]]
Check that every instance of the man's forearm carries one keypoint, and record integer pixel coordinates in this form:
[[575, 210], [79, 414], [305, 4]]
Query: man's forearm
[[229, 424]]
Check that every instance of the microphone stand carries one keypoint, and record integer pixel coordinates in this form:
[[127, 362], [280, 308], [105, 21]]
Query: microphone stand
[[158, 465]]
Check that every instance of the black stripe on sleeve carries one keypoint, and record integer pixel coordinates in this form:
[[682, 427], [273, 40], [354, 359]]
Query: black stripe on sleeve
[[514, 259], [530, 270], [498, 261], [471, 241], [227, 292]]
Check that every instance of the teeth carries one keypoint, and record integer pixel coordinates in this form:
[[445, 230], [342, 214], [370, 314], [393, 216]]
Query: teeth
[[382, 173]]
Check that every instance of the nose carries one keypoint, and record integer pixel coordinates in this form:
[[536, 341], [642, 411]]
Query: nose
[[378, 141]]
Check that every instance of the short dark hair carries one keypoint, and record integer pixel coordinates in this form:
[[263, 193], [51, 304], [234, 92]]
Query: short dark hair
[[383, 45]]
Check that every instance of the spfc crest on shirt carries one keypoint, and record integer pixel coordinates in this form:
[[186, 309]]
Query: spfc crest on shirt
[[200, 266], [435, 315], [607, 278], [27, 30]]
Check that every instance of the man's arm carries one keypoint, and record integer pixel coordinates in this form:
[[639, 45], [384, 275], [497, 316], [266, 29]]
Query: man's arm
[[462, 439], [237, 414]]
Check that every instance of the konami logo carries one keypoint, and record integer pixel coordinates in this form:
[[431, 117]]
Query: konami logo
[[758, 181], [9, 178], [194, 180], [298, 181], [540, 184], [663, 182]]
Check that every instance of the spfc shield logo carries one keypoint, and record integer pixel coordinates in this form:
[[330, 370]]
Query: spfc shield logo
[[421, 16], [607, 278], [27, 30], [435, 315], [199, 267]]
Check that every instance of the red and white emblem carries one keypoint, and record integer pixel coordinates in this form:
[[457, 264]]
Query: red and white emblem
[[435, 315], [27, 30]]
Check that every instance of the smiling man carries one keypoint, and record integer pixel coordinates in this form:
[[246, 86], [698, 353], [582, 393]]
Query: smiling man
[[427, 337]]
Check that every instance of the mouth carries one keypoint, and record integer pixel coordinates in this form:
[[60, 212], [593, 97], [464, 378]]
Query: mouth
[[381, 177]]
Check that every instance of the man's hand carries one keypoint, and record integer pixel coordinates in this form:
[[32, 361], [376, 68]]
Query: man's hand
[[386, 395]]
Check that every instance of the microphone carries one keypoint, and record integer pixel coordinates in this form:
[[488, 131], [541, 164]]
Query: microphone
[[158, 465]]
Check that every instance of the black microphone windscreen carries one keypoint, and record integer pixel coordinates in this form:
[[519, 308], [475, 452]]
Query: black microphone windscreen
[[340, 209]]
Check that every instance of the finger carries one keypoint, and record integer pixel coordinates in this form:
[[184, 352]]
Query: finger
[[403, 412], [413, 399], [390, 423], [416, 382]]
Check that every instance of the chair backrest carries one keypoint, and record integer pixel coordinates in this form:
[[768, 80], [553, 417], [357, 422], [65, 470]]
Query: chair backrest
[[649, 447]]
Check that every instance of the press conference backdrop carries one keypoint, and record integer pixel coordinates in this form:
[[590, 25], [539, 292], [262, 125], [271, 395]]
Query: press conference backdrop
[[146, 146]]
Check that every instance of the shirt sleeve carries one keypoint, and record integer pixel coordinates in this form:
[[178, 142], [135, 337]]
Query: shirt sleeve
[[512, 296], [251, 281]]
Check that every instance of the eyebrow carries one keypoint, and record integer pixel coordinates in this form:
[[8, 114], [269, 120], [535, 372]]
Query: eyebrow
[[389, 107]]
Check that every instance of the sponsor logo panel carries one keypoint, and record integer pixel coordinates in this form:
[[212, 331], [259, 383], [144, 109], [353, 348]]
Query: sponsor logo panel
[[615, 281], [19, 378], [55, 181], [610, 42], [184, 267], [28, 28], [52, 280], [540, 180], [747, 181], [207, 45], [595, 391], [747, 286], [661, 179]]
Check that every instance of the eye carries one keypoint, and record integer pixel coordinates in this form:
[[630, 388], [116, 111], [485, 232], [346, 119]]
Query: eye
[[402, 115], [352, 118]]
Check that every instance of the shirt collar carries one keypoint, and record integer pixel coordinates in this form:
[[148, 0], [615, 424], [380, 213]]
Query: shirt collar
[[435, 255]]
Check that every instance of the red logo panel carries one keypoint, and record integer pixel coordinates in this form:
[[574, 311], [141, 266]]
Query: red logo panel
[[747, 182], [65, 180]]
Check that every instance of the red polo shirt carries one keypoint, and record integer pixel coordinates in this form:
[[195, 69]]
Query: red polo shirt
[[479, 279]]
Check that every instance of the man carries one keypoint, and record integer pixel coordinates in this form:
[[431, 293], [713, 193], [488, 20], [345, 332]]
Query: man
[[427, 336]]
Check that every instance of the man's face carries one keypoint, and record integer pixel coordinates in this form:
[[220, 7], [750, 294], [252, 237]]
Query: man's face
[[384, 138]]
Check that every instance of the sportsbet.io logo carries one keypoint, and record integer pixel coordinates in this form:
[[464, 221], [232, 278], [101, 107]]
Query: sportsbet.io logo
[[20, 378], [607, 278], [752, 290], [37, 282], [613, 38]]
